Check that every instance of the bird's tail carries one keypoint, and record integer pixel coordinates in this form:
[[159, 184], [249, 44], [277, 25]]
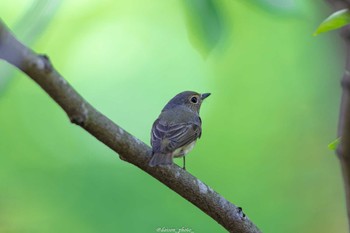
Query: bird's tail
[[161, 159]]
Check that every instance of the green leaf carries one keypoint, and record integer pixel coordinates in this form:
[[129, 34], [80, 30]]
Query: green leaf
[[334, 21], [333, 145], [205, 24]]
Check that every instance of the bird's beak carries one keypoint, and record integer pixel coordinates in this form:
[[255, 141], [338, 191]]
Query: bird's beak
[[205, 95]]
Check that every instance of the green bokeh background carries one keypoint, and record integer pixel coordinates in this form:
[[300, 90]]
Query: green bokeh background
[[273, 110]]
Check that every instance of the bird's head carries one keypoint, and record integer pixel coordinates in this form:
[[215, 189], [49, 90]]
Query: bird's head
[[190, 99]]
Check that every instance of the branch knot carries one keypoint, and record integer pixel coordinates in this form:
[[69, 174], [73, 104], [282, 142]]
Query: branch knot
[[79, 116], [43, 63]]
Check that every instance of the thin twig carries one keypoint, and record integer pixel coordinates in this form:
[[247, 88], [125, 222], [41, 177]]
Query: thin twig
[[343, 149], [80, 112]]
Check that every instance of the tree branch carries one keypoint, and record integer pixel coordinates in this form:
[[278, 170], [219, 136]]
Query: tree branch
[[80, 112], [343, 149]]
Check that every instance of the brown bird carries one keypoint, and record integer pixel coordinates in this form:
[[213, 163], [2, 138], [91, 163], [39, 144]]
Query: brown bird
[[177, 128]]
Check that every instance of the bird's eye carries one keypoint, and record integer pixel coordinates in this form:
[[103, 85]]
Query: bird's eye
[[194, 100]]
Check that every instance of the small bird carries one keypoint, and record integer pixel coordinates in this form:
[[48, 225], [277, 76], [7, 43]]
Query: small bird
[[177, 128]]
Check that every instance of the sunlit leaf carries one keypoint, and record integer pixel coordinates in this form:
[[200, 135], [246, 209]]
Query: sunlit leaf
[[334, 21], [333, 145], [204, 23]]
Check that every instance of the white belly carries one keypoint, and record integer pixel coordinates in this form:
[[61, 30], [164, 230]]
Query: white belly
[[182, 151]]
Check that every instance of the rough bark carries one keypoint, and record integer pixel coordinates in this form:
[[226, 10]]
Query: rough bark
[[80, 112]]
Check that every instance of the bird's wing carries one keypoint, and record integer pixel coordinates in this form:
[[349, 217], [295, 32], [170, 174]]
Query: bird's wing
[[167, 138]]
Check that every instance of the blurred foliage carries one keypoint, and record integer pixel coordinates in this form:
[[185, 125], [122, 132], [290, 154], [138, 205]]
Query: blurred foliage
[[205, 24], [206, 21], [280, 7], [28, 28], [35, 20], [275, 92], [334, 21]]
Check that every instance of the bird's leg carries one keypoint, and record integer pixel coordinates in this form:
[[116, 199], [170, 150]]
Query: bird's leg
[[184, 163]]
